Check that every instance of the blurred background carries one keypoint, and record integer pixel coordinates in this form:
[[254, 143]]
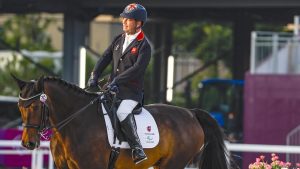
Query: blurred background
[[239, 60]]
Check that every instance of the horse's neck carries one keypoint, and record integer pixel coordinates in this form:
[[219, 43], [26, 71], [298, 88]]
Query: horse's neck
[[64, 103]]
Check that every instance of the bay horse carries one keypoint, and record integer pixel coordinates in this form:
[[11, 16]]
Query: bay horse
[[81, 142]]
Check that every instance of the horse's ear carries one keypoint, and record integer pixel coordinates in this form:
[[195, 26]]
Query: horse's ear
[[40, 83], [20, 82]]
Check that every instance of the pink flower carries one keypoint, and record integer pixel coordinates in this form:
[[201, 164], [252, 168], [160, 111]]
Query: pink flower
[[261, 163], [281, 163]]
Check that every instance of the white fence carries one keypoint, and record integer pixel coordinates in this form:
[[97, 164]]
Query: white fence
[[293, 138], [260, 148], [37, 160], [275, 53]]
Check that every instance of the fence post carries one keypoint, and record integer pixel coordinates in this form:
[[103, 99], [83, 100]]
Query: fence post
[[33, 159], [51, 162], [275, 52], [253, 52], [40, 159]]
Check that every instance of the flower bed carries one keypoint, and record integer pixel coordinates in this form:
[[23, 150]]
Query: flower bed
[[262, 163]]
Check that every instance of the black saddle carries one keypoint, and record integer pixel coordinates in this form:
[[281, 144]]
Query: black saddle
[[137, 110]]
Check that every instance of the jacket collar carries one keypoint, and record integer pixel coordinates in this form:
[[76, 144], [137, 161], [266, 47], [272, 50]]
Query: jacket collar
[[139, 37]]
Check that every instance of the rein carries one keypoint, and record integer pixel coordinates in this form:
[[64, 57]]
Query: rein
[[64, 122], [42, 127]]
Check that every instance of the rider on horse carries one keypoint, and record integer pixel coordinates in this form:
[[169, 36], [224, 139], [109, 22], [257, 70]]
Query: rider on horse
[[130, 54]]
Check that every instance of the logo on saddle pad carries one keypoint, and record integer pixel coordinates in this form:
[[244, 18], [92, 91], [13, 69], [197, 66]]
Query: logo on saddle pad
[[146, 129], [149, 128]]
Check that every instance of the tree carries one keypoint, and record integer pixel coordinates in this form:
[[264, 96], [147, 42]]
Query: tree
[[27, 32], [23, 32], [206, 40]]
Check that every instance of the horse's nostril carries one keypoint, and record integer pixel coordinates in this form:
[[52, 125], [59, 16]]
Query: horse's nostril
[[31, 145], [28, 145]]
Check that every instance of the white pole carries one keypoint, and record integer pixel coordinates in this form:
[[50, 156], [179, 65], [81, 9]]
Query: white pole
[[33, 159], [275, 49], [82, 67], [296, 23], [40, 160], [263, 148], [170, 78], [51, 162], [253, 52]]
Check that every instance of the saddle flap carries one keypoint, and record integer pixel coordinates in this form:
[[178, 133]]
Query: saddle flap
[[146, 128]]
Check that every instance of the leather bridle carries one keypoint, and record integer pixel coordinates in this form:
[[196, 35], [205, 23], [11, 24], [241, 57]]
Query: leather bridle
[[44, 122], [44, 111]]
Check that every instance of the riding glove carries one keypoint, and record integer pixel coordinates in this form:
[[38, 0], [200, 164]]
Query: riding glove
[[113, 87]]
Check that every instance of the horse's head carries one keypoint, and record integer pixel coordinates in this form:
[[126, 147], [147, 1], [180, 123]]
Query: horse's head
[[32, 105]]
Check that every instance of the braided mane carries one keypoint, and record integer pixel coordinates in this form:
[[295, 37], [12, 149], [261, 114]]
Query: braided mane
[[68, 85]]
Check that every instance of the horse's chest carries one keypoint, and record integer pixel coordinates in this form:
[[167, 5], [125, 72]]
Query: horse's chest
[[61, 156]]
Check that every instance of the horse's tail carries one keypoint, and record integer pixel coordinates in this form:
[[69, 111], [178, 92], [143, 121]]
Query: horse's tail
[[214, 153]]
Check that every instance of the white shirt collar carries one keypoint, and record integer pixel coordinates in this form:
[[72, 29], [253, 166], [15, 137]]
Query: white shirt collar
[[132, 37]]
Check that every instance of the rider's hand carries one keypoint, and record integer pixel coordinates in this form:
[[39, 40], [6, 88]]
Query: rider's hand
[[93, 80], [113, 87]]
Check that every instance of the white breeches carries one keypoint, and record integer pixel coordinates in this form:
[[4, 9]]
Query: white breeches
[[125, 108]]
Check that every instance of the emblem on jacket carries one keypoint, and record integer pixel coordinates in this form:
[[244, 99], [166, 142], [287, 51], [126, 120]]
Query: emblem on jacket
[[117, 47], [134, 50]]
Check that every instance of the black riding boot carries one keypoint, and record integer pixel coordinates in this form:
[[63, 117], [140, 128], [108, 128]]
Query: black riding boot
[[128, 126]]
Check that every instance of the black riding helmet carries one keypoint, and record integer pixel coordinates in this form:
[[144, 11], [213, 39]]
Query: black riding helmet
[[135, 11]]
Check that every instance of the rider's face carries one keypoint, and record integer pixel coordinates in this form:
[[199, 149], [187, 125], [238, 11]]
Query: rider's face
[[130, 26]]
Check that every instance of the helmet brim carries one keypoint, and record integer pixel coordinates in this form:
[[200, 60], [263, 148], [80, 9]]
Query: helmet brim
[[123, 15]]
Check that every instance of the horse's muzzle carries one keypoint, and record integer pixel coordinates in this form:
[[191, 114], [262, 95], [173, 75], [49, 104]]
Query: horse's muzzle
[[30, 145]]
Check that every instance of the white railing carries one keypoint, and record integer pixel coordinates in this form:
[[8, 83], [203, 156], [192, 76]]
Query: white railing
[[260, 148], [293, 138], [275, 53], [37, 161]]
